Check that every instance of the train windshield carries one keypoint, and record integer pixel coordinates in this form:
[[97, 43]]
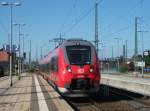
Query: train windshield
[[79, 55]]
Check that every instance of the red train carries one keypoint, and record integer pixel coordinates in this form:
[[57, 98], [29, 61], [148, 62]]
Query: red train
[[72, 67]]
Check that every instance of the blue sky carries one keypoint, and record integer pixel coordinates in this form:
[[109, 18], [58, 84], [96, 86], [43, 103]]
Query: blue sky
[[45, 19]]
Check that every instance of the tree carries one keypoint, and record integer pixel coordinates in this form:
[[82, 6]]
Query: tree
[[147, 61]]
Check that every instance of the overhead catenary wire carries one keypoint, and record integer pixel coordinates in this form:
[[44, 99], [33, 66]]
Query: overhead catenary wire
[[68, 15], [90, 10], [116, 32], [124, 17], [78, 21], [82, 17]]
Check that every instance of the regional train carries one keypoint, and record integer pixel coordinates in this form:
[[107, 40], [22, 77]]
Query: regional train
[[72, 67]]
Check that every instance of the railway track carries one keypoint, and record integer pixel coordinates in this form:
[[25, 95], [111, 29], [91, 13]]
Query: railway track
[[113, 100]]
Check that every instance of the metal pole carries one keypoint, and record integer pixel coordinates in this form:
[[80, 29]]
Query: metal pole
[[142, 55], [126, 50], [136, 41], [96, 27], [102, 61], [102, 58], [112, 56], [118, 53], [19, 55], [23, 43], [19, 59], [124, 54], [11, 44], [136, 45], [30, 55], [22, 63], [23, 54], [142, 52]]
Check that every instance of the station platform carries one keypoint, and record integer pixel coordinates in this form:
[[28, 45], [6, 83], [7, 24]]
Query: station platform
[[30, 93], [130, 82]]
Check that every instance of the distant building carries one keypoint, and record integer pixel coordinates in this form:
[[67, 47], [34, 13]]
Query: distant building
[[4, 61], [4, 56]]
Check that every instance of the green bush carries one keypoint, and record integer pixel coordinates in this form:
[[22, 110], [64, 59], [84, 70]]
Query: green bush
[[123, 68], [31, 70], [147, 61]]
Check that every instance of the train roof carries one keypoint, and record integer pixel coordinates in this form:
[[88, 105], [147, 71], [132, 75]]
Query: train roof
[[76, 41], [69, 42]]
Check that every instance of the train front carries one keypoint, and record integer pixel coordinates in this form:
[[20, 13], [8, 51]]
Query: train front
[[82, 68]]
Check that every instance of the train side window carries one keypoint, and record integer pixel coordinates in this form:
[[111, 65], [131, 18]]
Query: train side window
[[50, 66], [54, 64], [47, 67]]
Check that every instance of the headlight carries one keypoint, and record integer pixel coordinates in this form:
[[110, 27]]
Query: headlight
[[91, 68], [68, 68]]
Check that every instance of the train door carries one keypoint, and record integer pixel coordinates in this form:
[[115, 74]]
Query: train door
[[54, 68]]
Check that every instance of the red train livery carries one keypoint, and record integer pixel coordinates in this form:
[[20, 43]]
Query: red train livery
[[72, 67]]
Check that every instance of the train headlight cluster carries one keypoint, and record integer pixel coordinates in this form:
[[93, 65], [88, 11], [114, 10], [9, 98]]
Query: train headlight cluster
[[68, 68], [91, 68]]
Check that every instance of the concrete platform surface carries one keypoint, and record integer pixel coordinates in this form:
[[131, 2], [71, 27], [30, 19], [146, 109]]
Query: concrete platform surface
[[128, 82], [31, 93]]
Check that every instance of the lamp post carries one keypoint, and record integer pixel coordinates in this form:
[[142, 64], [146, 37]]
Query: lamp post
[[23, 40], [142, 52], [23, 37], [30, 54], [19, 60], [11, 11], [102, 56], [118, 53], [126, 52]]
